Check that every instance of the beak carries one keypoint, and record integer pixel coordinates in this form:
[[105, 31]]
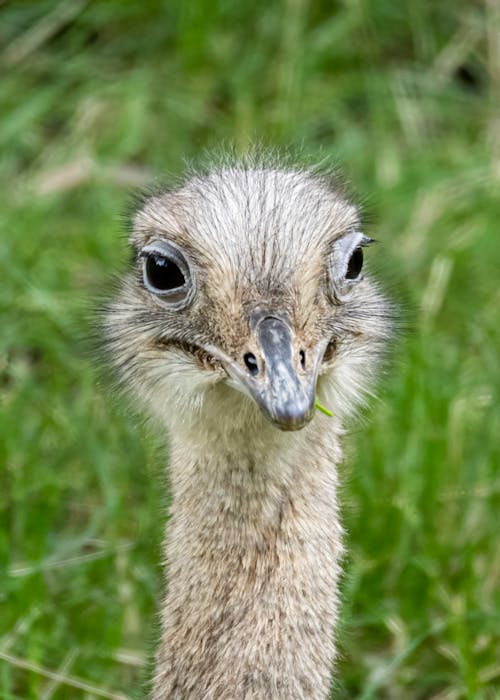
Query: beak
[[281, 378]]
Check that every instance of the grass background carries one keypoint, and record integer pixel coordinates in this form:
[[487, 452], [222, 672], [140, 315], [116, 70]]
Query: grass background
[[97, 98]]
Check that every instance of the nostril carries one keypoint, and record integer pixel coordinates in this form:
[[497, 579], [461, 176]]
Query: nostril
[[302, 357], [251, 362]]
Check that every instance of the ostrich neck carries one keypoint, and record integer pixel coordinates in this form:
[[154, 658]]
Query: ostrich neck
[[252, 547]]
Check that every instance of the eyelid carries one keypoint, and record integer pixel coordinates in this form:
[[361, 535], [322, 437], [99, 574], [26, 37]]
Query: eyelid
[[344, 246], [164, 249]]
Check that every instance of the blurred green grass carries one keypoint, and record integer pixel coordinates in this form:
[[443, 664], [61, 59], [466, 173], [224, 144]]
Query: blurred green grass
[[98, 98]]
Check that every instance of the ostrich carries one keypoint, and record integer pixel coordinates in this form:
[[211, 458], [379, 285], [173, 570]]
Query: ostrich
[[246, 306]]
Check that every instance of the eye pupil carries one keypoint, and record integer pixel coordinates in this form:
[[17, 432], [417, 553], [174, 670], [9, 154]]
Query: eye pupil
[[355, 264], [163, 274]]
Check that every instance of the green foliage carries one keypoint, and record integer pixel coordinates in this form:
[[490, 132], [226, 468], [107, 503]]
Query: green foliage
[[97, 98]]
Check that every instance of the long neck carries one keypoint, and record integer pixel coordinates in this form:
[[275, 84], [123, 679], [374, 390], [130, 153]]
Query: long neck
[[253, 549]]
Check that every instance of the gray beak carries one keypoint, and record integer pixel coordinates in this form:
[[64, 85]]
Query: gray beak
[[280, 377], [283, 396]]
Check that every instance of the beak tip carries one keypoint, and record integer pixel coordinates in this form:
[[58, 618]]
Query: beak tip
[[295, 418], [290, 427]]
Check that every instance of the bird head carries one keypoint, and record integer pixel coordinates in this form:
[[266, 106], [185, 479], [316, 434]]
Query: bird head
[[247, 299]]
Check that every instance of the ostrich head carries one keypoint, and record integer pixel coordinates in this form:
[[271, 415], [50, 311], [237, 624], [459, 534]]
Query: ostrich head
[[248, 299]]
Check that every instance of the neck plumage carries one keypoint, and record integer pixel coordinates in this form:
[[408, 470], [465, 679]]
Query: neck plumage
[[253, 546]]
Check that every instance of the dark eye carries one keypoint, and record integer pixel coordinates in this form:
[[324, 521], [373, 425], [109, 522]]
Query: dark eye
[[167, 274], [162, 274], [355, 264]]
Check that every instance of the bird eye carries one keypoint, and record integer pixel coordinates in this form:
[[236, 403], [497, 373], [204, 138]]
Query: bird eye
[[166, 274], [345, 264], [355, 264], [162, 274]]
